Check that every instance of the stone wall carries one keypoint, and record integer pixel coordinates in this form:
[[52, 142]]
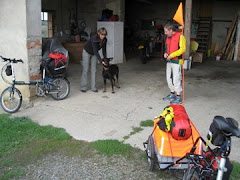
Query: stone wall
[[20, 34]]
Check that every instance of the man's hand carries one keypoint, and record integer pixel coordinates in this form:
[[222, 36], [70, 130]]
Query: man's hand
[[165, 55], [169, 58]]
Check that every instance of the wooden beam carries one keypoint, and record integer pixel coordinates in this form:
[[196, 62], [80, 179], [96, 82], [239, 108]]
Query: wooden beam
[[187, 28], [237, 43], [231, 41], [229, 34]]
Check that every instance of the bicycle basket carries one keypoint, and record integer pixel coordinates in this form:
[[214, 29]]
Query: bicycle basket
[[8, 70]]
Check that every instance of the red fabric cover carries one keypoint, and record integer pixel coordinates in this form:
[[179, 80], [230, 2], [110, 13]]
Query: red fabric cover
[[57, 56], [180, 126], [59, 59]]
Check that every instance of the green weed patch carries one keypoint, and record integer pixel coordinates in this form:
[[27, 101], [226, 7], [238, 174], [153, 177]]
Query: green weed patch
[[147, 123], [112, 147]]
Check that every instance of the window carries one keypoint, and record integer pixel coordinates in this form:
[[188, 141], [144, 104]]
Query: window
[[47, 24]]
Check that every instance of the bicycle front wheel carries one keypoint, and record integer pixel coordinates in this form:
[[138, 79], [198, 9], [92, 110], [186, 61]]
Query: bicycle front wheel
[[11, 100], [191, 174], [60, 89]]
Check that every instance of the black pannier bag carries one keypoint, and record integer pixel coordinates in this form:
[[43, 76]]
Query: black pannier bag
[[162, 124], [106, 14], [215, 136], [57, 63]]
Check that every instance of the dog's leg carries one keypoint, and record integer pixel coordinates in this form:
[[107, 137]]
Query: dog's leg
[[114, 81], [112, 85], [104, 88], [118, 86]]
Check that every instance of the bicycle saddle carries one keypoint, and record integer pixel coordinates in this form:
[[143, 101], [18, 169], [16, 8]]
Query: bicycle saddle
[[228, 125]]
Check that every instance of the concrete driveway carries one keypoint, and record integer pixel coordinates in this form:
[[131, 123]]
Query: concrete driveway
[[211, 88]]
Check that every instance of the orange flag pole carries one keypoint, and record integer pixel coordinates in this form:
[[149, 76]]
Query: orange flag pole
[[183, 84], [178, 17]]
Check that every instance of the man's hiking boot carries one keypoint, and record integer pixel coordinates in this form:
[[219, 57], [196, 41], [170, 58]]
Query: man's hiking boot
[[170, 97], [177, 100]]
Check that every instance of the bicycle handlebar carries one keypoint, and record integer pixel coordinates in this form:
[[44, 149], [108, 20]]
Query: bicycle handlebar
[[11, 60]]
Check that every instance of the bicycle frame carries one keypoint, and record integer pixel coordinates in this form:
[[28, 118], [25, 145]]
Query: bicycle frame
[[221, 168], [225, 151], [35, 82]]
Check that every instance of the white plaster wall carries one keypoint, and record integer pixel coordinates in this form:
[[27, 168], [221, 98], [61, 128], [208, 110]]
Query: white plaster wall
[[34, 17], [13, 34]]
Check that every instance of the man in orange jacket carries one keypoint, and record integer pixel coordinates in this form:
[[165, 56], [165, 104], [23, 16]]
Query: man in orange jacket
[[174, 48]]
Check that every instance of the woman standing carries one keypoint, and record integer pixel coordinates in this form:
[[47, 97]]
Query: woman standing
[[90, 54]]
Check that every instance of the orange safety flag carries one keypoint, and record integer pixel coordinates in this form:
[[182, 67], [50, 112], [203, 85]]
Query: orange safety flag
[[178, 17]]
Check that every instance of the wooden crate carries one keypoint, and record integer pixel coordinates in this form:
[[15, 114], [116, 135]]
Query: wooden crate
[[197, 57]]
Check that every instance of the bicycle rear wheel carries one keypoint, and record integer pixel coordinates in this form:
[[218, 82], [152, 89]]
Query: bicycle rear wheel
[[60, 89], [11, 99], [191, 174]]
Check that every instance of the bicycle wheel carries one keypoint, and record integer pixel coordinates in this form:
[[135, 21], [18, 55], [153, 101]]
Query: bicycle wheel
[[150, 153], [60, 89], [191, 174], [11, 100]]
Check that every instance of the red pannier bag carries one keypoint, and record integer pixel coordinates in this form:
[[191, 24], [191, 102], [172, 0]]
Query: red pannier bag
[[180, 126]]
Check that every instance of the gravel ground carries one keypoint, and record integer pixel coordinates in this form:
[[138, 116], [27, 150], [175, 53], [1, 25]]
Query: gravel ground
[[98, 167]]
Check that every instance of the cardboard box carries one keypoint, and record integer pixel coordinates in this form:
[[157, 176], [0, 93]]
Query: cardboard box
[[197, 57]]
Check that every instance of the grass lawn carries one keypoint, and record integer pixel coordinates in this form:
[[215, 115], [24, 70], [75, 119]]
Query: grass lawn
[[23, 142]]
